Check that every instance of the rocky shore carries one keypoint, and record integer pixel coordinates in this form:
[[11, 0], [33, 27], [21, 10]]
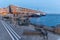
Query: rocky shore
[[33, 31]]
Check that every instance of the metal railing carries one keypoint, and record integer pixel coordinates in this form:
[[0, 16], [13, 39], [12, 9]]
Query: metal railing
[[11, 32]]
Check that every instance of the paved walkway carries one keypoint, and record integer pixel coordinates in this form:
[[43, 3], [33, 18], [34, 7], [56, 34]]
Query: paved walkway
[[3, 33], [5, 36], [51, 36]]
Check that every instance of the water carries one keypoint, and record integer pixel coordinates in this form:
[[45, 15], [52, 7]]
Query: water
[[49, 20]]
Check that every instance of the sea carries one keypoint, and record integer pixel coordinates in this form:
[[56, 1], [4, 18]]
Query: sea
[[48, 20]]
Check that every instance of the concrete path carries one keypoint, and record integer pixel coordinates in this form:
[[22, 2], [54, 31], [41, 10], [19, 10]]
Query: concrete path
[[5, 36], [3, 33], [51, 36]]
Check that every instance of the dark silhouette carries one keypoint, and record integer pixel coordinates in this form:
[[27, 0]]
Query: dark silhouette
[[44, 33]]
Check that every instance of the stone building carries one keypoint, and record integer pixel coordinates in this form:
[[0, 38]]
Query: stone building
[[20, 13], [4, 11]]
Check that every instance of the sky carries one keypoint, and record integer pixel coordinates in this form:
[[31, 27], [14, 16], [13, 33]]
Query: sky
[[48, 6]]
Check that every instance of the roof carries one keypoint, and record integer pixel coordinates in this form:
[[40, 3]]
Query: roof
[[15, 10]]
